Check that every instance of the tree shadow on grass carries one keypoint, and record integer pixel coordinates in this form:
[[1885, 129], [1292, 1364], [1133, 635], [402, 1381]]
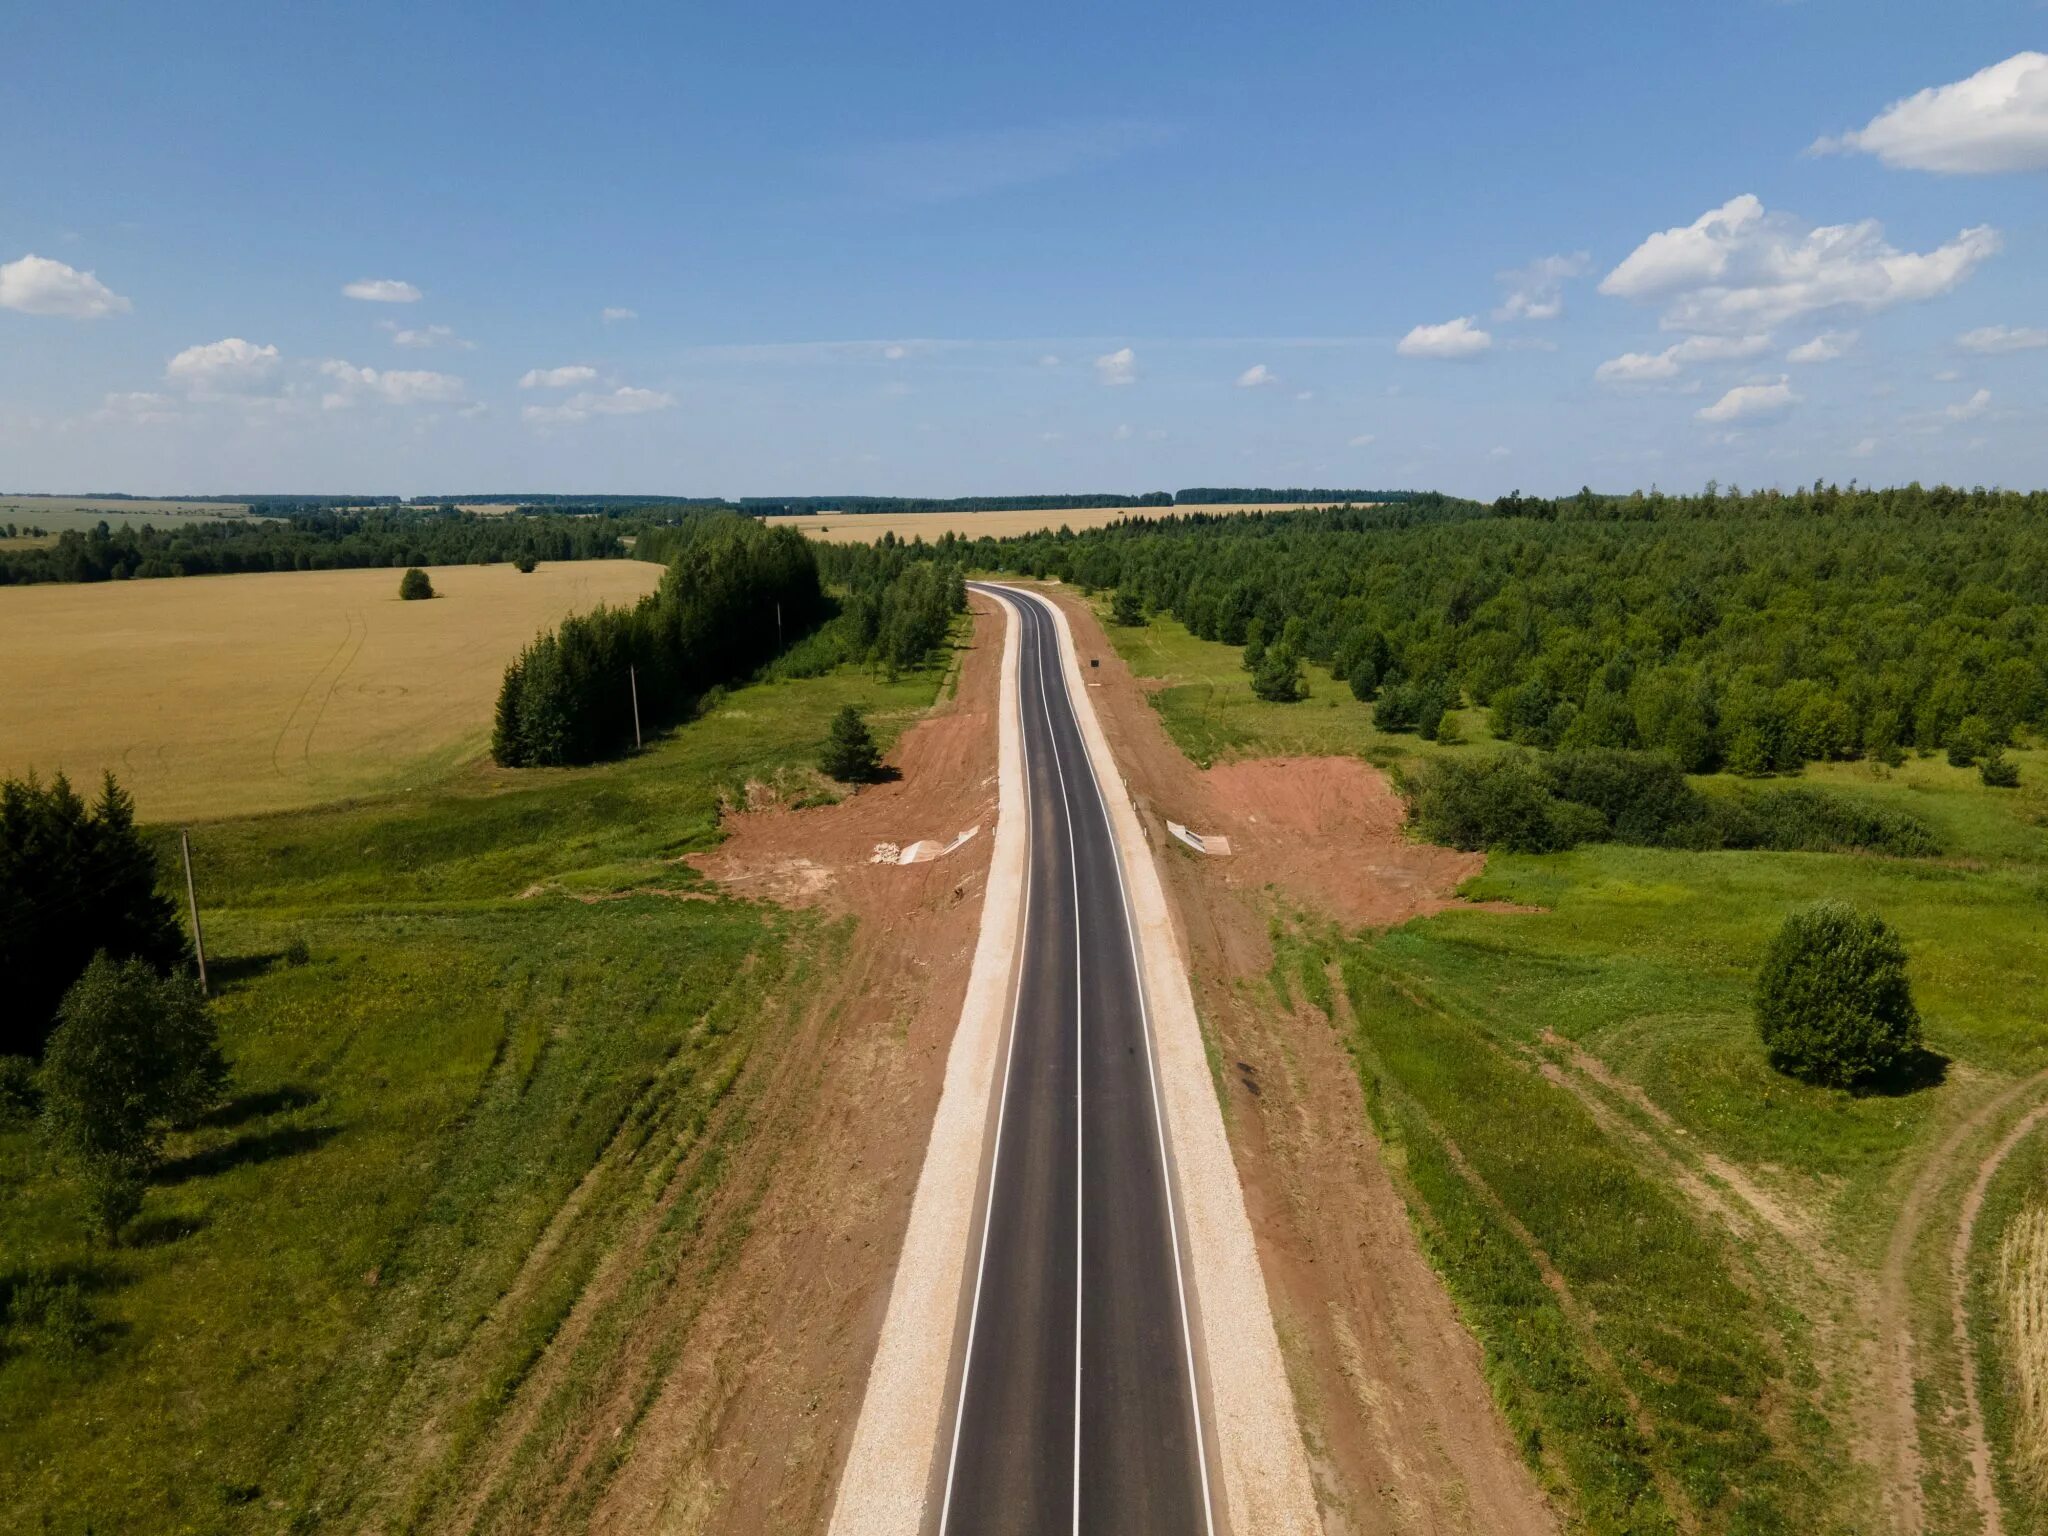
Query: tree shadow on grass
[[244, 1107], [227, 971], [159, 1231], [261, 1147], [1920, 1069]]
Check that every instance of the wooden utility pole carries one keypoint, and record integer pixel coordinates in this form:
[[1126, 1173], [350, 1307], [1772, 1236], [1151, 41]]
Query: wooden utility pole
[[778, 624], [192, 900], [633, 680]]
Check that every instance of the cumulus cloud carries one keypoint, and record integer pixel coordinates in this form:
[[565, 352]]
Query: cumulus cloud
[[388, 386], [2002, 338], [1741, 267], [1997, 120], [1454, 339], [1118, 367], [1970, 409], [138, 405], [1654, 367], [1536, 292], [36, 285], [227, 366], [1746, 400], [1256, 377], [1824, 348], [381, 290], [623, 401], [613, 314], [566, 377]]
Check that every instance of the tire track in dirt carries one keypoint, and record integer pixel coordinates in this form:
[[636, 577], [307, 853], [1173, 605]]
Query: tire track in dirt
[[1900, 1421], [284, 730], [1977, 1444]]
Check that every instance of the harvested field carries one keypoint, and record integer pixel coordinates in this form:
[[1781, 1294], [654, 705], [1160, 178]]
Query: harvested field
[[866, 527], [222, 695], [62, 514]]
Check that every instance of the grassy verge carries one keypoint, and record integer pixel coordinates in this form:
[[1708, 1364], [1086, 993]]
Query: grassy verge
[[456, 1086], [1662, 1365]]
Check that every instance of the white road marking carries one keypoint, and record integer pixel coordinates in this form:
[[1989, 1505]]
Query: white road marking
[[1002, 1109]]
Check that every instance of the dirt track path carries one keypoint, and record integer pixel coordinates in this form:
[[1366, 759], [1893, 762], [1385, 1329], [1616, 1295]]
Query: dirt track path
[[1900, 1422]]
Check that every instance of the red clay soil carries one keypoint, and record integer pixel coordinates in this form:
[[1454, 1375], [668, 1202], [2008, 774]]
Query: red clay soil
[[1403, 1432], [748, 1432]]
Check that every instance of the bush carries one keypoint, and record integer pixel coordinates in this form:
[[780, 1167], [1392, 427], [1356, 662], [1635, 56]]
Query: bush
[[1126, 609], [524, 565], [1494, 802], [20, 1100], [413, 585], [133, 1053], [1278, 678], [1999, 771], [1803, 820], [850, 754], [1833, 1003]]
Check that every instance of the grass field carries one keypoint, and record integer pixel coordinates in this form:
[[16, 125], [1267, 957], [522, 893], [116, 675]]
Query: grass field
[[62, 514], [456, 1084], [223, 695], [1578, 1109], [866, 527]]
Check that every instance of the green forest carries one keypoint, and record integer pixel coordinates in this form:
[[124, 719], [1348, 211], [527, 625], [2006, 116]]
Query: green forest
[[1752, 632]]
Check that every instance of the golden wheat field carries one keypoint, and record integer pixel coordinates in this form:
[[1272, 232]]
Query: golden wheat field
[[866, 527], [217, 695]]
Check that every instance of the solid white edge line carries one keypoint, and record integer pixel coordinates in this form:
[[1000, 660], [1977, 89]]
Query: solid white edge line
[[1002, 1109], [1159, 1126]]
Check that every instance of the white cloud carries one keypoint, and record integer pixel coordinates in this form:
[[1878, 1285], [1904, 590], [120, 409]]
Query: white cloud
[[1739, 267], [427, 336], [1997, 120], [613, 314], [1256, 377], [1453, 339], [1304, 394], [1945, 376], [1747, 400], [566, 377], [623, 401], [1536, 292], [1970, 409], [895, 352], [1049, 361], [1824, 348], [1362, 440], [1123, 432], [225, 367], [381, 290], [141, 406], [2001, 338], [36, 285], [1863, 448], [1653, 367], [390, 386], [1118, 367], [1500, 453]]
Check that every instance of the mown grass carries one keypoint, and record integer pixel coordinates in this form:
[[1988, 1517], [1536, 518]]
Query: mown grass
[[1660, 1374], [2019, 1456], [327, 1303]]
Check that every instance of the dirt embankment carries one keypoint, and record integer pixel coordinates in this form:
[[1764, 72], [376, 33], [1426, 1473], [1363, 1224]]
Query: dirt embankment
[[747, 1431], [1401, 1425]]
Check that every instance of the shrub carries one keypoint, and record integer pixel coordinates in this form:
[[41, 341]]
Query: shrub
[[20, 1101], [1278, 679], [1833, 1003], [1999, 771], [133, 1053], [1641, 796], [524, 565], [1398, 708], [414, 585], [850, 754], [1804, 820], [1494, 802], [1126, 609]]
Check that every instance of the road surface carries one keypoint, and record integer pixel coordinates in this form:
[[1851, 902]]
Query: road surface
[[1077, 1407]]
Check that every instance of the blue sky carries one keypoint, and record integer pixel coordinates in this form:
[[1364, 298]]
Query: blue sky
[[949, 250]]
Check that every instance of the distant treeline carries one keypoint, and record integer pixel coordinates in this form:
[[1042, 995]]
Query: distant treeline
[[1755, 632], [738, 596], [1212, 495], [318, 540]]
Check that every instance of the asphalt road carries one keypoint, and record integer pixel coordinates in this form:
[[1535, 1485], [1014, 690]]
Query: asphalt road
[[1076, 1408]]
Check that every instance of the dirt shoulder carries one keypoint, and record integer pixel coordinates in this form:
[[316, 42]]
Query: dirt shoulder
[[1402, 1429], [747, 1431]]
